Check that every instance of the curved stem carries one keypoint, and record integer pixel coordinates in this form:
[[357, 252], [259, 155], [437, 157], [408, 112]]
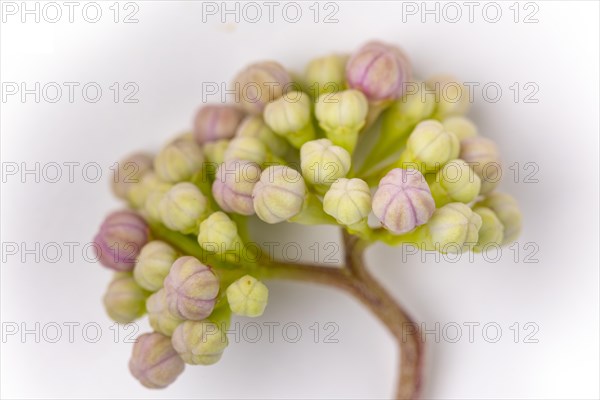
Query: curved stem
[[405, 331]]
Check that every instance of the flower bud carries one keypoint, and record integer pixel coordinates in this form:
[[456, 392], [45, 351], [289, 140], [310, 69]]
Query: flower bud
[[451, 96], [322, 162], [153, 265], [182, 207], [154, 361], [483, 156], [403, 201], [378, 70], [326, 74], [491, 231], [431, 146], [260, 84], [279, 194], [246, 148], [462, 127], [415, 106], [179, 160], [348, 201], [247, 297], [214, 152], [342, 115], [129, 172], [289, 116], [159, 316], [139, 192], [124, 300], [216, 122], [453, 228], [232, 188], [191, 289], [152, 204], [218, 233], [254, 126], [507, 210], [120, 239], [199, 343], [455, 182]]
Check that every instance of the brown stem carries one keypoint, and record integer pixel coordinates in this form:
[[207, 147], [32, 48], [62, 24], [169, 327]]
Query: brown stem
[[397, 320], [357, 281]]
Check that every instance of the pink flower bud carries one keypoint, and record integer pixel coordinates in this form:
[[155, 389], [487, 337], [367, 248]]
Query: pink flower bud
[[403, 200], [378, 70], [191, 288], [260, 84], [120, 239], [233, 186], [216, 122], [154, 361]]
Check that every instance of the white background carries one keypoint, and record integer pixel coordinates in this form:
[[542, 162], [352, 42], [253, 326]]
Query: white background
[[169, 53]]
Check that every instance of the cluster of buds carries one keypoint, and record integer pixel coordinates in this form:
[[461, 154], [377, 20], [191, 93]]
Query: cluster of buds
[[283, 153]]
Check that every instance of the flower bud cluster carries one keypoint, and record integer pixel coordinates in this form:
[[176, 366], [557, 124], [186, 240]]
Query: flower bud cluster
[[354, 144]]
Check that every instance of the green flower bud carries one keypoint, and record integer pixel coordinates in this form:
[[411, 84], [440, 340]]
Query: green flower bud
[[327, 74], [153, 265], [214, 152], [152, 203], [462, 127], [218, 233], [455, 182], [159, 316], [491, 231], [247, 297], [139, 192], [124, 300], [129, 172], [453, 228], [322, 162], [199, 342], [246, 148], [431, 146], [279, 194], [507, 210], [254, 126], [182, 207], [154, 362], [451, 96], [290, 117], [348, 201], [342, 115], [179, 160], [483, 156]]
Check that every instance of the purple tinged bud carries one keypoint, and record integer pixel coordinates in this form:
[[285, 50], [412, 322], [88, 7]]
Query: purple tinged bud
[[233, 185], [403, 201], [216, 122], [128, 173], [378, 70], [261, 83], [191, 288], [154, 362], [120, 239]]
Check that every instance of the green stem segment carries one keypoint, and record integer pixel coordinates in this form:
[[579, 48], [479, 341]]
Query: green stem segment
[[353, 278]]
